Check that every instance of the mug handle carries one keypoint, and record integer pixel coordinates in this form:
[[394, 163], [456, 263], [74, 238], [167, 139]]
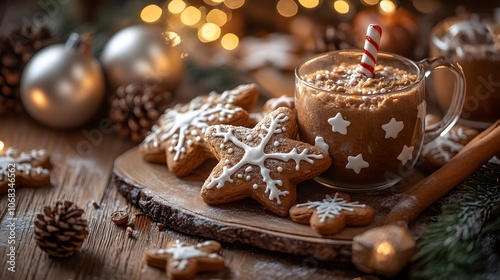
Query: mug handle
[[448, 121]]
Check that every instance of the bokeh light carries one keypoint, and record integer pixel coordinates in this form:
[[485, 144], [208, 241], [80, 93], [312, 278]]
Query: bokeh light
[[173, 39], [151, 13], [234, 4], [341, 6], [287, 8], [309, 3], [2, 145], [217, 16], [190, 16], [427, 6], [387, 6], [370, 2], [209, 32], [230, 41], [176, 6]]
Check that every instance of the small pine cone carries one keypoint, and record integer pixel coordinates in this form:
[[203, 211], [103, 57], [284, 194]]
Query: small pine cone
[[136, 107], [16, 49], [61, 229]]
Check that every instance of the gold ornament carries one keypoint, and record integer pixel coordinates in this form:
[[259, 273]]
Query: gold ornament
[[383, 250], [63, 86], [140, 52]]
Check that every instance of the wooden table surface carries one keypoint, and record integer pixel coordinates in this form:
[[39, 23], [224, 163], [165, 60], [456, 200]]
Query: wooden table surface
[[82, 163]]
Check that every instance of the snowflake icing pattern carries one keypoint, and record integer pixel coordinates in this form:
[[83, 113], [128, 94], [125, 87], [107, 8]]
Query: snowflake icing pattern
[[331, 207], [256, 156], [22, 161], [447, 145], [182, 253], [186, 124]]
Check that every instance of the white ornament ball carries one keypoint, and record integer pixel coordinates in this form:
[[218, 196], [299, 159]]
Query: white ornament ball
[[139, 52], [62, 87]]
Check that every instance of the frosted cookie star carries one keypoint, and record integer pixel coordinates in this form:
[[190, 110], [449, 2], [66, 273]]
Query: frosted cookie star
[[177, 138], [265, 162]]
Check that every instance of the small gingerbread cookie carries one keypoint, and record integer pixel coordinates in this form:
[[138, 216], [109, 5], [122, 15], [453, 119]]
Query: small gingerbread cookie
[[282, 101], [273, 104], [439, 151], [19, 168], [183, 261], [332, 214], [265, 162], [177, 138]]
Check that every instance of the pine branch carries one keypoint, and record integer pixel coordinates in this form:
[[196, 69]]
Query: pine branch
[[454, 247]]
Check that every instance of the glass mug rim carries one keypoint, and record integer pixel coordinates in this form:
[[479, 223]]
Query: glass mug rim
[[357, 52]]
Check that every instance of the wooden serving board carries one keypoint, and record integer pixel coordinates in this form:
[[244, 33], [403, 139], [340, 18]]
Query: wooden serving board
[[176, 203]]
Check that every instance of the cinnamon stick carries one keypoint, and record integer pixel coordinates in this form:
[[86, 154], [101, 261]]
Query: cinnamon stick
[[420, 196]]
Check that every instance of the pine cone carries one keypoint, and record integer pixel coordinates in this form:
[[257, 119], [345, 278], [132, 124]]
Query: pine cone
[[136, 107], [16, 49], [61, 229]]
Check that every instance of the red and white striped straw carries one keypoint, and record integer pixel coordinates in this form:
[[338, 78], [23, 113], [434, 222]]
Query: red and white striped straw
[[369, 58]]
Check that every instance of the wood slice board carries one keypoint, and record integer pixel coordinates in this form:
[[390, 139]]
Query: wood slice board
[[176, 203]]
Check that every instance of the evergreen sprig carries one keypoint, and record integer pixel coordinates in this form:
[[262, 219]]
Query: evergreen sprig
[[464, 242]]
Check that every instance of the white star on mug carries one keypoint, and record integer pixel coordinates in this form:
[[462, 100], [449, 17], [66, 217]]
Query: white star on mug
[[356, 163], [339, 124], [392, 128], [421, 110], [406, 154]]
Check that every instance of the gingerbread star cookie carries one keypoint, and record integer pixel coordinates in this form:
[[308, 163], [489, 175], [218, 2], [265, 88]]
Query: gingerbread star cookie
[[20, 168], [183, 261], [265, 162], [332, 214], [177, 138], [439, 151]]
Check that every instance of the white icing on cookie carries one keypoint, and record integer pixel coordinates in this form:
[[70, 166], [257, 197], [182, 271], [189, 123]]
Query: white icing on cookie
[[255, 155], [181, 253], [192, 119], [22, 162], [331, 207], [444, 147]]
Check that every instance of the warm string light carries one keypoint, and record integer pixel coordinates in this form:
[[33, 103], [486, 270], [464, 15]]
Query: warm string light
[[287, 8], [2, 145], [309, 4], [370, 2], [151, 13], [341, 6], [210, 18], [230, 41], [387, 6]]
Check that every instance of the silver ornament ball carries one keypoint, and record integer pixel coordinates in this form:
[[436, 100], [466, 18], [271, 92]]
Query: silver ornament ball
[[62, 87], [139, 52]]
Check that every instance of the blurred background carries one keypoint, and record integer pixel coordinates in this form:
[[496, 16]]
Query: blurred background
[[221, 43]]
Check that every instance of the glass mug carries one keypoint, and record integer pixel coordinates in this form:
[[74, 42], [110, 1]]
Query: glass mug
[[480, 60], [378, 137]]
